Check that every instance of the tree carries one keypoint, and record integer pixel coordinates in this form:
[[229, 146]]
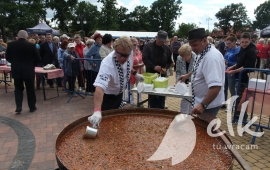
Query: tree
[[108, 16], [163, 13], [184, 28], [141, 15], [262, 15], [85, 11], [63, 12], [20, 14], [122, 18], [232, 16]]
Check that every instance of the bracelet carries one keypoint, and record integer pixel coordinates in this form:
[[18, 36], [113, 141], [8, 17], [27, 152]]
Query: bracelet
[[134, 73], [98, 109]]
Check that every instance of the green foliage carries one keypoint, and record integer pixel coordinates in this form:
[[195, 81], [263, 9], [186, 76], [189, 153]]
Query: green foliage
[[234, 15], [262, 15], [163, 13], [184, 28], [108, 16], [63, 12], [85, 11], [16, 15]]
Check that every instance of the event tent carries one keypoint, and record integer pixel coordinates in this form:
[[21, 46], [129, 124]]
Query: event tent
[[265, 33], [42, 28], [117, 34]]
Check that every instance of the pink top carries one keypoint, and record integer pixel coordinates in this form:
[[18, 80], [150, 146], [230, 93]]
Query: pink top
[[137, 59]]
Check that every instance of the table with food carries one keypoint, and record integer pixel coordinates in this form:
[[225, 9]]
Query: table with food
[[155, 85]]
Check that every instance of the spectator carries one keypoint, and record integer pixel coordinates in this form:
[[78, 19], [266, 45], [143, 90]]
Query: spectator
[[157, 59], [137, 66], [48, 53], [175, 45], [79, 49], [222, 46], [56, 41], [265, 54], [230, 60], [184, 65], [259, 48], [87, 66], [106, 47], [23, 57], [72, 66], [94, 52], [60, 52], [246, 59]]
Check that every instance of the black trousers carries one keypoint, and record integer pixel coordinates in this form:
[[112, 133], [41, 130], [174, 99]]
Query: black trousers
[[88, 79], [71, 83], [111, 101], [174, 59], [81, 78], [93, 76], [30, 91]]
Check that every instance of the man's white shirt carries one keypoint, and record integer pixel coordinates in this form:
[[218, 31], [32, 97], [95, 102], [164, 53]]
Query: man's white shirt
[[108, 76], [211, 72]]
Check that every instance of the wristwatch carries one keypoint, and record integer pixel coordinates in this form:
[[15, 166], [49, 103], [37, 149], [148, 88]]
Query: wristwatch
[[204, 105]]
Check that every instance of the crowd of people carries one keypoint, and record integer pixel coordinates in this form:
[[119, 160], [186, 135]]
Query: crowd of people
[[105, 66]]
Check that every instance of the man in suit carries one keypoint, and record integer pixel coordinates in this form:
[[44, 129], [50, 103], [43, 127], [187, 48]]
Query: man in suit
[[48, 53], [23, 57]]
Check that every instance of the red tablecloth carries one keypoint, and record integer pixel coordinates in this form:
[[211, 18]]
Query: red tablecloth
[[262, 101], [51, 73]]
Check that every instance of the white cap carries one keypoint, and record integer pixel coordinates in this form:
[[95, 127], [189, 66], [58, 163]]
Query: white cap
[[70, 45], [65, 36]]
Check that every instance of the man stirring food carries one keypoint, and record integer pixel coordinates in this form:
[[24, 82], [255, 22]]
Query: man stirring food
[[112, 79]]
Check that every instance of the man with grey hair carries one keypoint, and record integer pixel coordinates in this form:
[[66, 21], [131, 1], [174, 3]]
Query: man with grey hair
[[23, 57]]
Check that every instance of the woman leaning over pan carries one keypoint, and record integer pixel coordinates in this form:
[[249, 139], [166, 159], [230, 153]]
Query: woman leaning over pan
[[184, 65]]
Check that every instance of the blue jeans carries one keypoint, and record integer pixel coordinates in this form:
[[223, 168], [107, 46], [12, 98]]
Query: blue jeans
[[230, 83], [156, 101]]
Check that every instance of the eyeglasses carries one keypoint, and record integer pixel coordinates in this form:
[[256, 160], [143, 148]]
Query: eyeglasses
[[134, 45], [122, 55]]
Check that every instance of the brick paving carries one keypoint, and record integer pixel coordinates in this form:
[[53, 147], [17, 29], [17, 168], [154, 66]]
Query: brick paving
[[54, 114]]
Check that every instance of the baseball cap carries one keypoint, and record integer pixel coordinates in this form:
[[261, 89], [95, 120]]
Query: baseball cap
[[70, 45], [162, 35], [65, 36]]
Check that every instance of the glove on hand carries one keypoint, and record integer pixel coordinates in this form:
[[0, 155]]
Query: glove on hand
[[95, 118], [139, 77]]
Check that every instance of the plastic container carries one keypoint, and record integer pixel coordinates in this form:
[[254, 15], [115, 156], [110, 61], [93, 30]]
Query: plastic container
[[149, 77], [161, 84], [148, 87]]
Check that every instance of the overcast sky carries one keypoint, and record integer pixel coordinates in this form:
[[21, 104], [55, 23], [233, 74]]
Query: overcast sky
[[193, 11]]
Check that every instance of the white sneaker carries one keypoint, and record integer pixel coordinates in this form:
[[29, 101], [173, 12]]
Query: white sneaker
[[80, 88]]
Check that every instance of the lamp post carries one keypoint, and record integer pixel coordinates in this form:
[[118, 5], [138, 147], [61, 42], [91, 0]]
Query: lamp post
[[67, 22], [208, 19], [81, 20]]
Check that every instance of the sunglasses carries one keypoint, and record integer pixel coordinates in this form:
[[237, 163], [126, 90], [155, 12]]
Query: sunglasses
[[134, 45], [122, 55]]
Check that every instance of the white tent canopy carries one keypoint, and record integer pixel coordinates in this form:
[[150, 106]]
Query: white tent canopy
[[117, 34]]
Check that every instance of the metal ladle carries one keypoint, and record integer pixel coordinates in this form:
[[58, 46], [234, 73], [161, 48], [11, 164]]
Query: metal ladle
[[90, 132]]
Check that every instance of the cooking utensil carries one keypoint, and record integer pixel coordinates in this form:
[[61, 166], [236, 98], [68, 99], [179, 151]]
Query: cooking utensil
[[208, 117], [90, 132]]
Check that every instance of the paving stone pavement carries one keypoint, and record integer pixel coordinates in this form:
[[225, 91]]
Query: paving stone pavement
[[54, 114]]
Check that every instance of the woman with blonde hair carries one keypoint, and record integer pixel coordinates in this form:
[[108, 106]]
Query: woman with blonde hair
[[184, 65]]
